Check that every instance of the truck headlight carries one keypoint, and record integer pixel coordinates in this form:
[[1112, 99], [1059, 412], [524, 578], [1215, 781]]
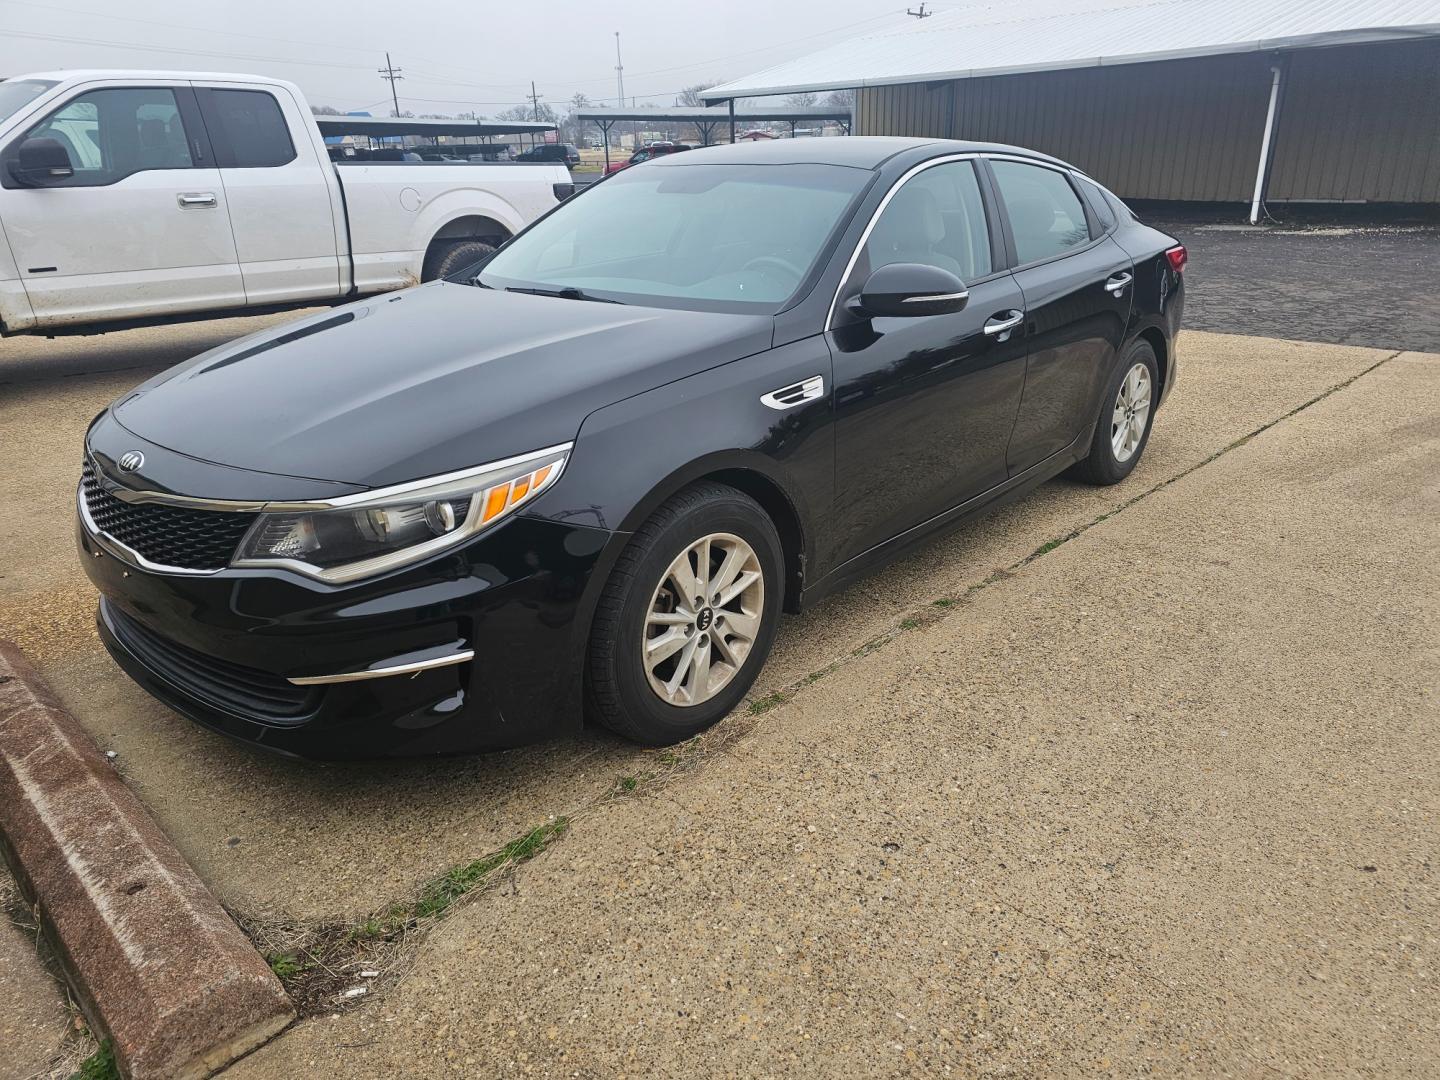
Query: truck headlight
[[357, 536]]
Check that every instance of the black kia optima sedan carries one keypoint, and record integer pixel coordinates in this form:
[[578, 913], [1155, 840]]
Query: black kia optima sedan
[[587, 474]]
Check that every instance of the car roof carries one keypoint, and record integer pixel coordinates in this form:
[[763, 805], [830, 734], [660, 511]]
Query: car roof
[[856, 151]]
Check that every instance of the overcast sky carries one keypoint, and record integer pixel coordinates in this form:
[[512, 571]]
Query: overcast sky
[[456, 56]]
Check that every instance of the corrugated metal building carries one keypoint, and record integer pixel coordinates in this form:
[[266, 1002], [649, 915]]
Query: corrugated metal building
[[1165, 100]]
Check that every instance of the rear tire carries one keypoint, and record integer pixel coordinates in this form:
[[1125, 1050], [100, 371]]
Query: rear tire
[[649, 642], [446, 260], [1122, 430]]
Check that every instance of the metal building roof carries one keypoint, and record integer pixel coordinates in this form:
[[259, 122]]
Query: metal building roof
[[1046, 35]]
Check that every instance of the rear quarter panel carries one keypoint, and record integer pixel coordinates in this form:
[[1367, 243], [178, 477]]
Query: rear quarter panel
[[1159, 302]]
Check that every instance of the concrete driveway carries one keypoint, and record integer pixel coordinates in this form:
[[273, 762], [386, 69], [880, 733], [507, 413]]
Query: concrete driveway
[[1111, 804], [1161, 800]]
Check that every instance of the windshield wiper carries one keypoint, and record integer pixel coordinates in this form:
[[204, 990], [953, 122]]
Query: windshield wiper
[[565, 292]]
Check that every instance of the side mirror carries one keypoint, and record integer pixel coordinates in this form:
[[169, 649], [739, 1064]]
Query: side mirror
[[907, 290], [40, 162]]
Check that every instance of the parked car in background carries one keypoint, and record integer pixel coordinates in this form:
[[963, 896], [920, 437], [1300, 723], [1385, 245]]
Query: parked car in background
[[648, 153], [706, 391], [148, 196], [563, 153]]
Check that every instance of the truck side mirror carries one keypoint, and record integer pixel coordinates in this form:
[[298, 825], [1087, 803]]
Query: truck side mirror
[[40, 162]]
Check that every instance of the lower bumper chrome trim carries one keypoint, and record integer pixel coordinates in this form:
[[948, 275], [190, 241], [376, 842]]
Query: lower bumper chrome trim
[[385, 672]]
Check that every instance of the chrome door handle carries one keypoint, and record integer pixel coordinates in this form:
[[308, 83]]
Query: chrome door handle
[[192, 200], [1003, 323], [787, 397], [1116, 285]]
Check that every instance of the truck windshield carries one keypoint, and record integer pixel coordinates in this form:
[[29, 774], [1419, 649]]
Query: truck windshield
[[739, 238], [15, 94]]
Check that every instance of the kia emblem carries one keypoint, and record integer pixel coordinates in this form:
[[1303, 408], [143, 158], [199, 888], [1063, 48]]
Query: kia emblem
[[131, 460]]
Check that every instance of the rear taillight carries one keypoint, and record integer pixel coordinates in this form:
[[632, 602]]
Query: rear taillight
[[1178, 257]]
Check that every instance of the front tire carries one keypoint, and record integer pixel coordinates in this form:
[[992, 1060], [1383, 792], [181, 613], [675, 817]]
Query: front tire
[[1127, 411], [687, 618]]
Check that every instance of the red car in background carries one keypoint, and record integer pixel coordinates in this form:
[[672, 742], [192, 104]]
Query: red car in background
[[654, 150]]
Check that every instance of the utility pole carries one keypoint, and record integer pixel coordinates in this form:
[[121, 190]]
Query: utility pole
[[535, 100], [921, 14], [392, 75], [619, 75]]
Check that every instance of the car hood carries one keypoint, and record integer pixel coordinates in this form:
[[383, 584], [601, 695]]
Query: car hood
[[427, 381]]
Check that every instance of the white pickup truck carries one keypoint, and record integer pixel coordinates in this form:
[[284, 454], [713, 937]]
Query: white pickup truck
[[139, 197]]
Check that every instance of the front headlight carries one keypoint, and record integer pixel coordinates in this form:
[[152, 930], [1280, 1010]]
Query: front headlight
[[359, 535]]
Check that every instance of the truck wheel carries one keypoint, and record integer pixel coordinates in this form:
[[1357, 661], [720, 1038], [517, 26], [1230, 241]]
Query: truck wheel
[[444, 261]]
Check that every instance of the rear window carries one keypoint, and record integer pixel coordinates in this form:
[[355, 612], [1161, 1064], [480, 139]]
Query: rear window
[[247, 129]]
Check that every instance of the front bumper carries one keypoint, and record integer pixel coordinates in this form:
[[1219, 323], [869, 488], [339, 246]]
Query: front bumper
[[223, 648]]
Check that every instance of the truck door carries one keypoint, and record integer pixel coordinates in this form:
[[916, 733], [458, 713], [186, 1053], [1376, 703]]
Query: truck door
[[139, 228], [279, 191]]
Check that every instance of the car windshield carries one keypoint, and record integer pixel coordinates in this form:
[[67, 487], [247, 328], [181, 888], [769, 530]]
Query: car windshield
[[15, 94], [711, 237]]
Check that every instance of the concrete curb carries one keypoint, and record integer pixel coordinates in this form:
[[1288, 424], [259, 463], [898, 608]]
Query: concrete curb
[[156, 962]]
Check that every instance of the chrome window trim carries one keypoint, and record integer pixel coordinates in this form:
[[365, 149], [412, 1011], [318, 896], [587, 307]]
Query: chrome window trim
[[415, 668], [875, 216], [411, 488]]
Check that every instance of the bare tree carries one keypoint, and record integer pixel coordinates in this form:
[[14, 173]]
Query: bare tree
[[325, 110], [841, 99], [690, 98], [802, 101], [527, 112]]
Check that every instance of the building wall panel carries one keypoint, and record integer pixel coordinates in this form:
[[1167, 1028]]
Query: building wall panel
[[1356, 122]]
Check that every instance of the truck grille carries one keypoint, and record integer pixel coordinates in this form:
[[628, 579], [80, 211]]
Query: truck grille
[[253, 694], [168, 536]]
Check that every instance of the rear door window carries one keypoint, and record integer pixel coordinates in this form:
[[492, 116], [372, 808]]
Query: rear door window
[[1046, 215], [247, 129]]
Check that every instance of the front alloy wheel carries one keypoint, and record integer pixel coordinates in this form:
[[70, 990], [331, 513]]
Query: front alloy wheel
[[687, 617], [703, 619]]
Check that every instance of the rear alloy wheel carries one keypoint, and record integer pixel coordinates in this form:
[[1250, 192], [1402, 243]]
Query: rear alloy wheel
[[1126, 412], [687, 617]]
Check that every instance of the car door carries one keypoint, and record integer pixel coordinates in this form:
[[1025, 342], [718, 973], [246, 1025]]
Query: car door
[[1077, 285], [924, 406], [139, 228], [279, 191]]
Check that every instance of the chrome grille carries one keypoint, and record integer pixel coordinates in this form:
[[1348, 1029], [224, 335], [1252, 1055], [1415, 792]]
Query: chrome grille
[[168, 536]]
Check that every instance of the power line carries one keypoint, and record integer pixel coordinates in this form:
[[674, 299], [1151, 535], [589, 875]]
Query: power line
[[143, 47]]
